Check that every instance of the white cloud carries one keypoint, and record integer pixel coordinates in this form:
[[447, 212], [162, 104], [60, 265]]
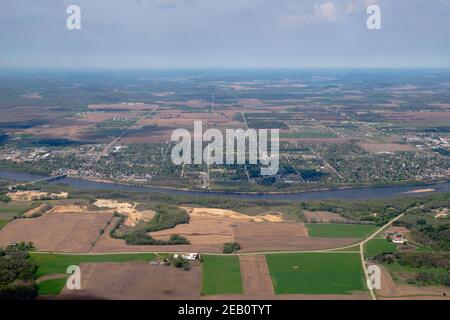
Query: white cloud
[[325, 11], [317, 13]]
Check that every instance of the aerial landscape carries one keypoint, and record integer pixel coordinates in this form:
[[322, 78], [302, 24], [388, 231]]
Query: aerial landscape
[[93, 205]]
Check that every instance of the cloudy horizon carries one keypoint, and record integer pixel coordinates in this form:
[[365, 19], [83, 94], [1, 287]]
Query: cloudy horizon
[[224, 34]]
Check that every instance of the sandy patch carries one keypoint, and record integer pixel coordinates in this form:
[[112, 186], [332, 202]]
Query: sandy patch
[[421, 191], [128, 209], [32, 195], [230, 214]]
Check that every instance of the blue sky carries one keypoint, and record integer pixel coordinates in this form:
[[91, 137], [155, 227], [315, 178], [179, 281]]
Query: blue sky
[[224, 33]]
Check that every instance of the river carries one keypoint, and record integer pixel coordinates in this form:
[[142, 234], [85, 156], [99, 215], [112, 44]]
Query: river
[[358, 193]]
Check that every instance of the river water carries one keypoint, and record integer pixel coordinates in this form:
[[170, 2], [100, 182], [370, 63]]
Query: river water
[[360, 193]]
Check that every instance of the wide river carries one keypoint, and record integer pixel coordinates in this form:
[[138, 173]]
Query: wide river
[[359, 193]]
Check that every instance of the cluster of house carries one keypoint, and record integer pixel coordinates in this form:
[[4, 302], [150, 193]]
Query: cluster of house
[[189, 256], [395, 237]]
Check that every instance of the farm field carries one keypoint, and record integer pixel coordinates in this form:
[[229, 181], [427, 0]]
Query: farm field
[[283, 236], [52, 267], [69, 232], [221, 275], [316, 273], [135, 280], [57, 263], [3, 222], [14, 208], [255, 275], [339, 230], [375, 247]]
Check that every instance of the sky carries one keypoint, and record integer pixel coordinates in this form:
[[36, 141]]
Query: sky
[[224, 34]]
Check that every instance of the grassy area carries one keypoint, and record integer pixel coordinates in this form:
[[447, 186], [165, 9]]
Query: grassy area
[[3, 222], [221, 274], [14, 208], [339, 230], [407, 274], [375, 247], [354, 248], [51, 286], [57, 263], [316, 273]]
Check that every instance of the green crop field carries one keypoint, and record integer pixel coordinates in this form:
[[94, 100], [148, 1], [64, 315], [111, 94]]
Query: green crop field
[[57, 263], [316, 273], [51, 286], [14, 208], [221, 274], [3, 222], [339, 230], [375, 247]]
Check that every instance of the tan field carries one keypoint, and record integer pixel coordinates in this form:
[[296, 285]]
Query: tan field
[[386, 147], [140, 281], [282, 237], [178, 119], [255, 275], [70, 132], [56, 232], [202, 231]]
